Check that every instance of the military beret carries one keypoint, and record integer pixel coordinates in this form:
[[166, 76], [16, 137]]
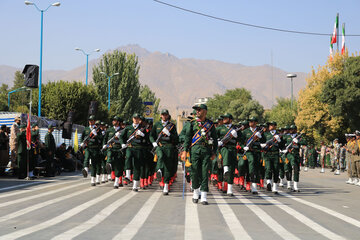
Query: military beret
[[102, 123], [293, 127], [221, 117], [272, 123], [286, 127], [228, 115], [97, 122], [116, 118], [91, 117], [253, 119], [22, 126], [34, 125], [50, 126], [136, 115], [245, 122], [164, 111], [200, 106]]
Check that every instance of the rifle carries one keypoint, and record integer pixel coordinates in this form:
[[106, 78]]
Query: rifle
[[252, 139], [228, 137], [290, 145], [110, 141], [86, 139], [132, 137], [159, 137], [271, 143]]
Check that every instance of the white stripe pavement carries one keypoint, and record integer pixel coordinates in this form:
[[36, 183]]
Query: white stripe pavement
[[192, 228], [40, 195], [267, 219], [231, 220], [129, 231], [41, 205], [303, 219], [97, 219], [343, 217], [42, 185], [66, 215]]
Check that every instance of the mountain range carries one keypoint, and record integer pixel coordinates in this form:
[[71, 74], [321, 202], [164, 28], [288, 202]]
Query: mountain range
[[178, 82]]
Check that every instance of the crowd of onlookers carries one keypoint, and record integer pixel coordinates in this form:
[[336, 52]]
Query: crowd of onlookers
[[63, 159]]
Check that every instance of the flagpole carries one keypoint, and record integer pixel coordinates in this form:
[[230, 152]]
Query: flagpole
[[28, 150], [337, 31]]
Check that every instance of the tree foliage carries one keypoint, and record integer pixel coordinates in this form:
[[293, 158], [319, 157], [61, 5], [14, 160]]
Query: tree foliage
[[236, 101], [124, 88], [282, 113]]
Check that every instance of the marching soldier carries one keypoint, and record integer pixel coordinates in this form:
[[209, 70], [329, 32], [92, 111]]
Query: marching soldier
[[292, 157], [243, 166], [251, 139], [50, 148], [14, 130], [92, 151], [272, 157], [216, 176], [134, 139], [228, 137], [21, 152], [115, 159], [164, 139], [201, 141]]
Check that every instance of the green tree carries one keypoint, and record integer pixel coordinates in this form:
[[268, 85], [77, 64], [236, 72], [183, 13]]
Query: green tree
[[4, 89], [236, 101], [282, 113], [342, 94], [124, 88], [19, 101]]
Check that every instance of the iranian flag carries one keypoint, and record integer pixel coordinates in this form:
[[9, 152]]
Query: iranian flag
[[336, 26], [331, 49], [343, 40]]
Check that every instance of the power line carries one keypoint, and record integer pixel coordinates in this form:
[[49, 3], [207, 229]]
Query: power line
[[250, 25]]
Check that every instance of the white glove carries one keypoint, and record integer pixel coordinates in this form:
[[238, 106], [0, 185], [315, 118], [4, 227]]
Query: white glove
[[246, 149], [104, 146], [166, 132], [283, 151], [117, 134], [295, 140], [220, 143], [258, 135], [277, 137], [123, 145], [140, 133], [94, 132], [82, 145], [154, 144], [234, 133], [263, 145]]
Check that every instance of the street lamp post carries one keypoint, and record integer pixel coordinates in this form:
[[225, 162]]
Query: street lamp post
[[87, 59], [109, 77], [57, 4], [291, 76]]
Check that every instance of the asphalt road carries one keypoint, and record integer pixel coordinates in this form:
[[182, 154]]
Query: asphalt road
[[67, 207]]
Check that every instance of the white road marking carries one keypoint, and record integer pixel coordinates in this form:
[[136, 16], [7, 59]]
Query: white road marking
[[343, 217], [267, 219], [231, 220], [41, 205], [97, 219], [192, 228], [66, 215], [129, 231], [303, 219], [25, 199]]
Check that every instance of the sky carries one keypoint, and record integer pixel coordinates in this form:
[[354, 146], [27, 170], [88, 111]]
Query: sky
[[109, 24]]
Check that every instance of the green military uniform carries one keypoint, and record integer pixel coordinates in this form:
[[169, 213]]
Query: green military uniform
[[182, 137], [200, 153], [311, 157], [253, 155], [21, 152], [34, 153], [92, 150], [50, 147], [166, 147]]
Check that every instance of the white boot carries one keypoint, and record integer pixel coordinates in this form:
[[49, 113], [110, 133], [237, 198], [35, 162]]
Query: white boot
[[296, 189], [135, 185], [97, 179], [305, 169], [93, 181], [166, 189], [281, 184], [274, 188], [322, 170], [31, 174], [288, 184], [196, 194], [108, 177], [229, 190], [268, 184], [254, 188], [350, 181], [204, 198], [337, 172], [116, 183], [128, 175], [356, 181], [85, 172], [103, 178]]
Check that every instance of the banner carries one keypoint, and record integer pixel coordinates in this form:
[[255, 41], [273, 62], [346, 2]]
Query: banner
[[149, 110]]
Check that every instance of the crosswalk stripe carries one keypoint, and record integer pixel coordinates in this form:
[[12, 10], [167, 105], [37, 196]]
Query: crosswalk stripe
[[130, 230], [231, 220], [39, 195], [66, 215], [42, 185], [97, 219], [192, 228], [303, 219], [343, 217], [267, 219], [41, 205]]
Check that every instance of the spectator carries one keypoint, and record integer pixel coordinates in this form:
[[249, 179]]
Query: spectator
[[13, 141], [4, 146]]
